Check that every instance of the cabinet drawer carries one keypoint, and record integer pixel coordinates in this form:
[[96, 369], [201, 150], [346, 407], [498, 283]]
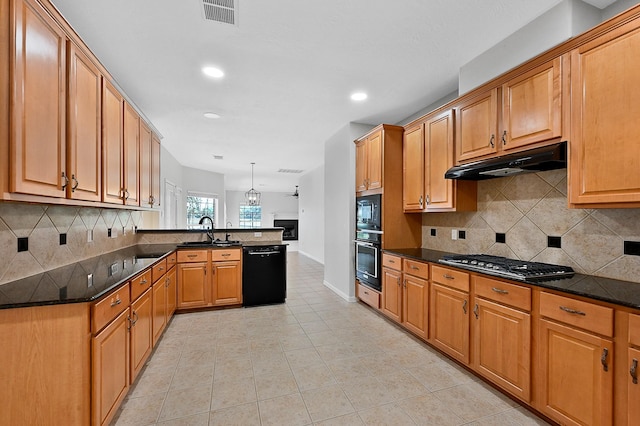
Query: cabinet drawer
[[450, 277], [112, 305], [499, 291], [172, 259], [368, 296], [140, 284], [634, 329], [415, 268], [218, 255], [390, 261], [588, 316], [158, 270], [185, 256]]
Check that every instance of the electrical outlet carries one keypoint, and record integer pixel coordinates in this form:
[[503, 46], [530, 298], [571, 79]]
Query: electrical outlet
[[113, 269], [257, 234], [454, 234], [124, 230], [89, 235], [89, 280]]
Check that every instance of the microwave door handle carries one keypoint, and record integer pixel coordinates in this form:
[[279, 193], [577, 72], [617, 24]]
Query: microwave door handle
[[362, 243]]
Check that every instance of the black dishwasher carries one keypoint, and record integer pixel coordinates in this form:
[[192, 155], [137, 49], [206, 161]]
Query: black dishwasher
[[264, 274]]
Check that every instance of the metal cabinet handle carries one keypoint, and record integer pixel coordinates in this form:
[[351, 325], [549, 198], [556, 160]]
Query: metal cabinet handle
[[226, 254], [135, 318], [573, 311], [391, 261], [449, 277], [366, 292], [143, 281], [603, 359], [634, 371], [464, 306], [491, 141], [420, 201], [125, 194], [428, 200], [405, 283], [75, 183], [192, 255], [413, 267], [499, 290], [475, 311], [129, 323], [398, 280], [116, 302], [504, 137], [152, 200], [66, 180], [166, 282], [161, 268]]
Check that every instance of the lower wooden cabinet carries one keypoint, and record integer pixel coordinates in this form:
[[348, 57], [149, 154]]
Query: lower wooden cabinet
[[110, 369], [575, 375], [392, 294], [172, 292], [449, 321], [160, 296], [227, 283], [192, 285], [415, 298], [633, 388], [141, 332]]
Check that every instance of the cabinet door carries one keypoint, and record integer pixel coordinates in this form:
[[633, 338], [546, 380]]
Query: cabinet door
[[415, 302], [438, 159], [155, 171], [112, 117], [413, 169], [159, 308], [361, 165], [37, 107], [502, 345], [227, 283], [605, 165], [633, 388], [145, 165], [172, 292], [131, 155], [141, 332], [532, 106], [110, 365], [392, 294], [575, 388], [477, 127], [84, 166], [449, 321], [192, 285], [374, 161]]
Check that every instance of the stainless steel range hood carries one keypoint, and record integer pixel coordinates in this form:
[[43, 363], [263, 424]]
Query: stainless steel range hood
[[534, 160]]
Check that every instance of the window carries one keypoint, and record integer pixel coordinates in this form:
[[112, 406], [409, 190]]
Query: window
[[250, 216], [199, 205]]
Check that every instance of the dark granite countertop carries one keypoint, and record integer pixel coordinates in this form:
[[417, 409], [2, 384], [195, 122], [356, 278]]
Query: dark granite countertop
[[202, 231], [624, 293]]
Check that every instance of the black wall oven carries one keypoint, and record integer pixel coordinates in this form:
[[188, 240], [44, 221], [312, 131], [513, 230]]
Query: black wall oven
[[368, 258]]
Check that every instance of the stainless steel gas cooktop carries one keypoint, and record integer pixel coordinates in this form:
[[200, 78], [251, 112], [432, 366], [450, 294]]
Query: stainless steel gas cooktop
[[508, 268]]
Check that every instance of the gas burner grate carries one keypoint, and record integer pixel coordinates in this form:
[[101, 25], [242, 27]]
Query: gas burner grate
[[508, 268]]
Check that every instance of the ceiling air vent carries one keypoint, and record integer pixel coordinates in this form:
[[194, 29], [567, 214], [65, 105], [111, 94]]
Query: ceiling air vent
[[225, 11], [289, 171]]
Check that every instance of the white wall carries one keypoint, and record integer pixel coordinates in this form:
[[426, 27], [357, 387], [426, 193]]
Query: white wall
[[311, 214], [569, 18], [339, 220], [203, 182], [617, 7], [275, 205]]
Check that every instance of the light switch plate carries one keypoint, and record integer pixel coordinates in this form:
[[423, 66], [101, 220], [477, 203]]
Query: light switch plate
[[89, 280], [454, 234], [89, 235]]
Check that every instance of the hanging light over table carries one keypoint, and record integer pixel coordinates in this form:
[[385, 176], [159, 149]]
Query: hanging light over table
[[252, 197]]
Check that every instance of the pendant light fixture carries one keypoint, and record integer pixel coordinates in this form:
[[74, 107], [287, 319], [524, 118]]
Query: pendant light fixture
[[252, 197]]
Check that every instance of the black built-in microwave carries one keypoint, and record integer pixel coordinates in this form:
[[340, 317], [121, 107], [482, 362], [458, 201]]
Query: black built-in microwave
[[369, 213]]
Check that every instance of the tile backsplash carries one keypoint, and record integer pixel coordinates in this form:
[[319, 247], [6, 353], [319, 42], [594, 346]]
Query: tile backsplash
[[528, 209], [58, 236]]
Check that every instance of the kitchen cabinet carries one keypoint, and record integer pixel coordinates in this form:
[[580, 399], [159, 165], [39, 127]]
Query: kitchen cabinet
[[449, 312], [501, 330], [141, 332], [145, 165], [427, 155], [369, 162], [155, 172], [38, 96], [160, 299], [131, 149], [209, 278], [112, 148], [531, 112], [575, 372], [631, 371], [368, 295], [84, 120], [392, 291], [110, 368], [605, 166], [415, 296], [172, 292]]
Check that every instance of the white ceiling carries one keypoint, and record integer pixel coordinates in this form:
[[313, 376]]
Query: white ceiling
[[290, 67]]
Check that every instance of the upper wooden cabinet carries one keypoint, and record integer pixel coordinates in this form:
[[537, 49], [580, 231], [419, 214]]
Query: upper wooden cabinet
[[112, 119], [531, 112], [131, 138], [145, 165], [605, 161], [38, 96], [427, 155], [369, 162], [83, 126], [155, 172]]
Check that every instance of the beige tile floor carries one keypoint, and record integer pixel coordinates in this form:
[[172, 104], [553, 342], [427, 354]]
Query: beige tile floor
[[316, 359]]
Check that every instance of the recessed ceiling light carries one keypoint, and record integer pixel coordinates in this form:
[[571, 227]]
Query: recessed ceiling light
[[358, 96], [211, 115], [213, 72]]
